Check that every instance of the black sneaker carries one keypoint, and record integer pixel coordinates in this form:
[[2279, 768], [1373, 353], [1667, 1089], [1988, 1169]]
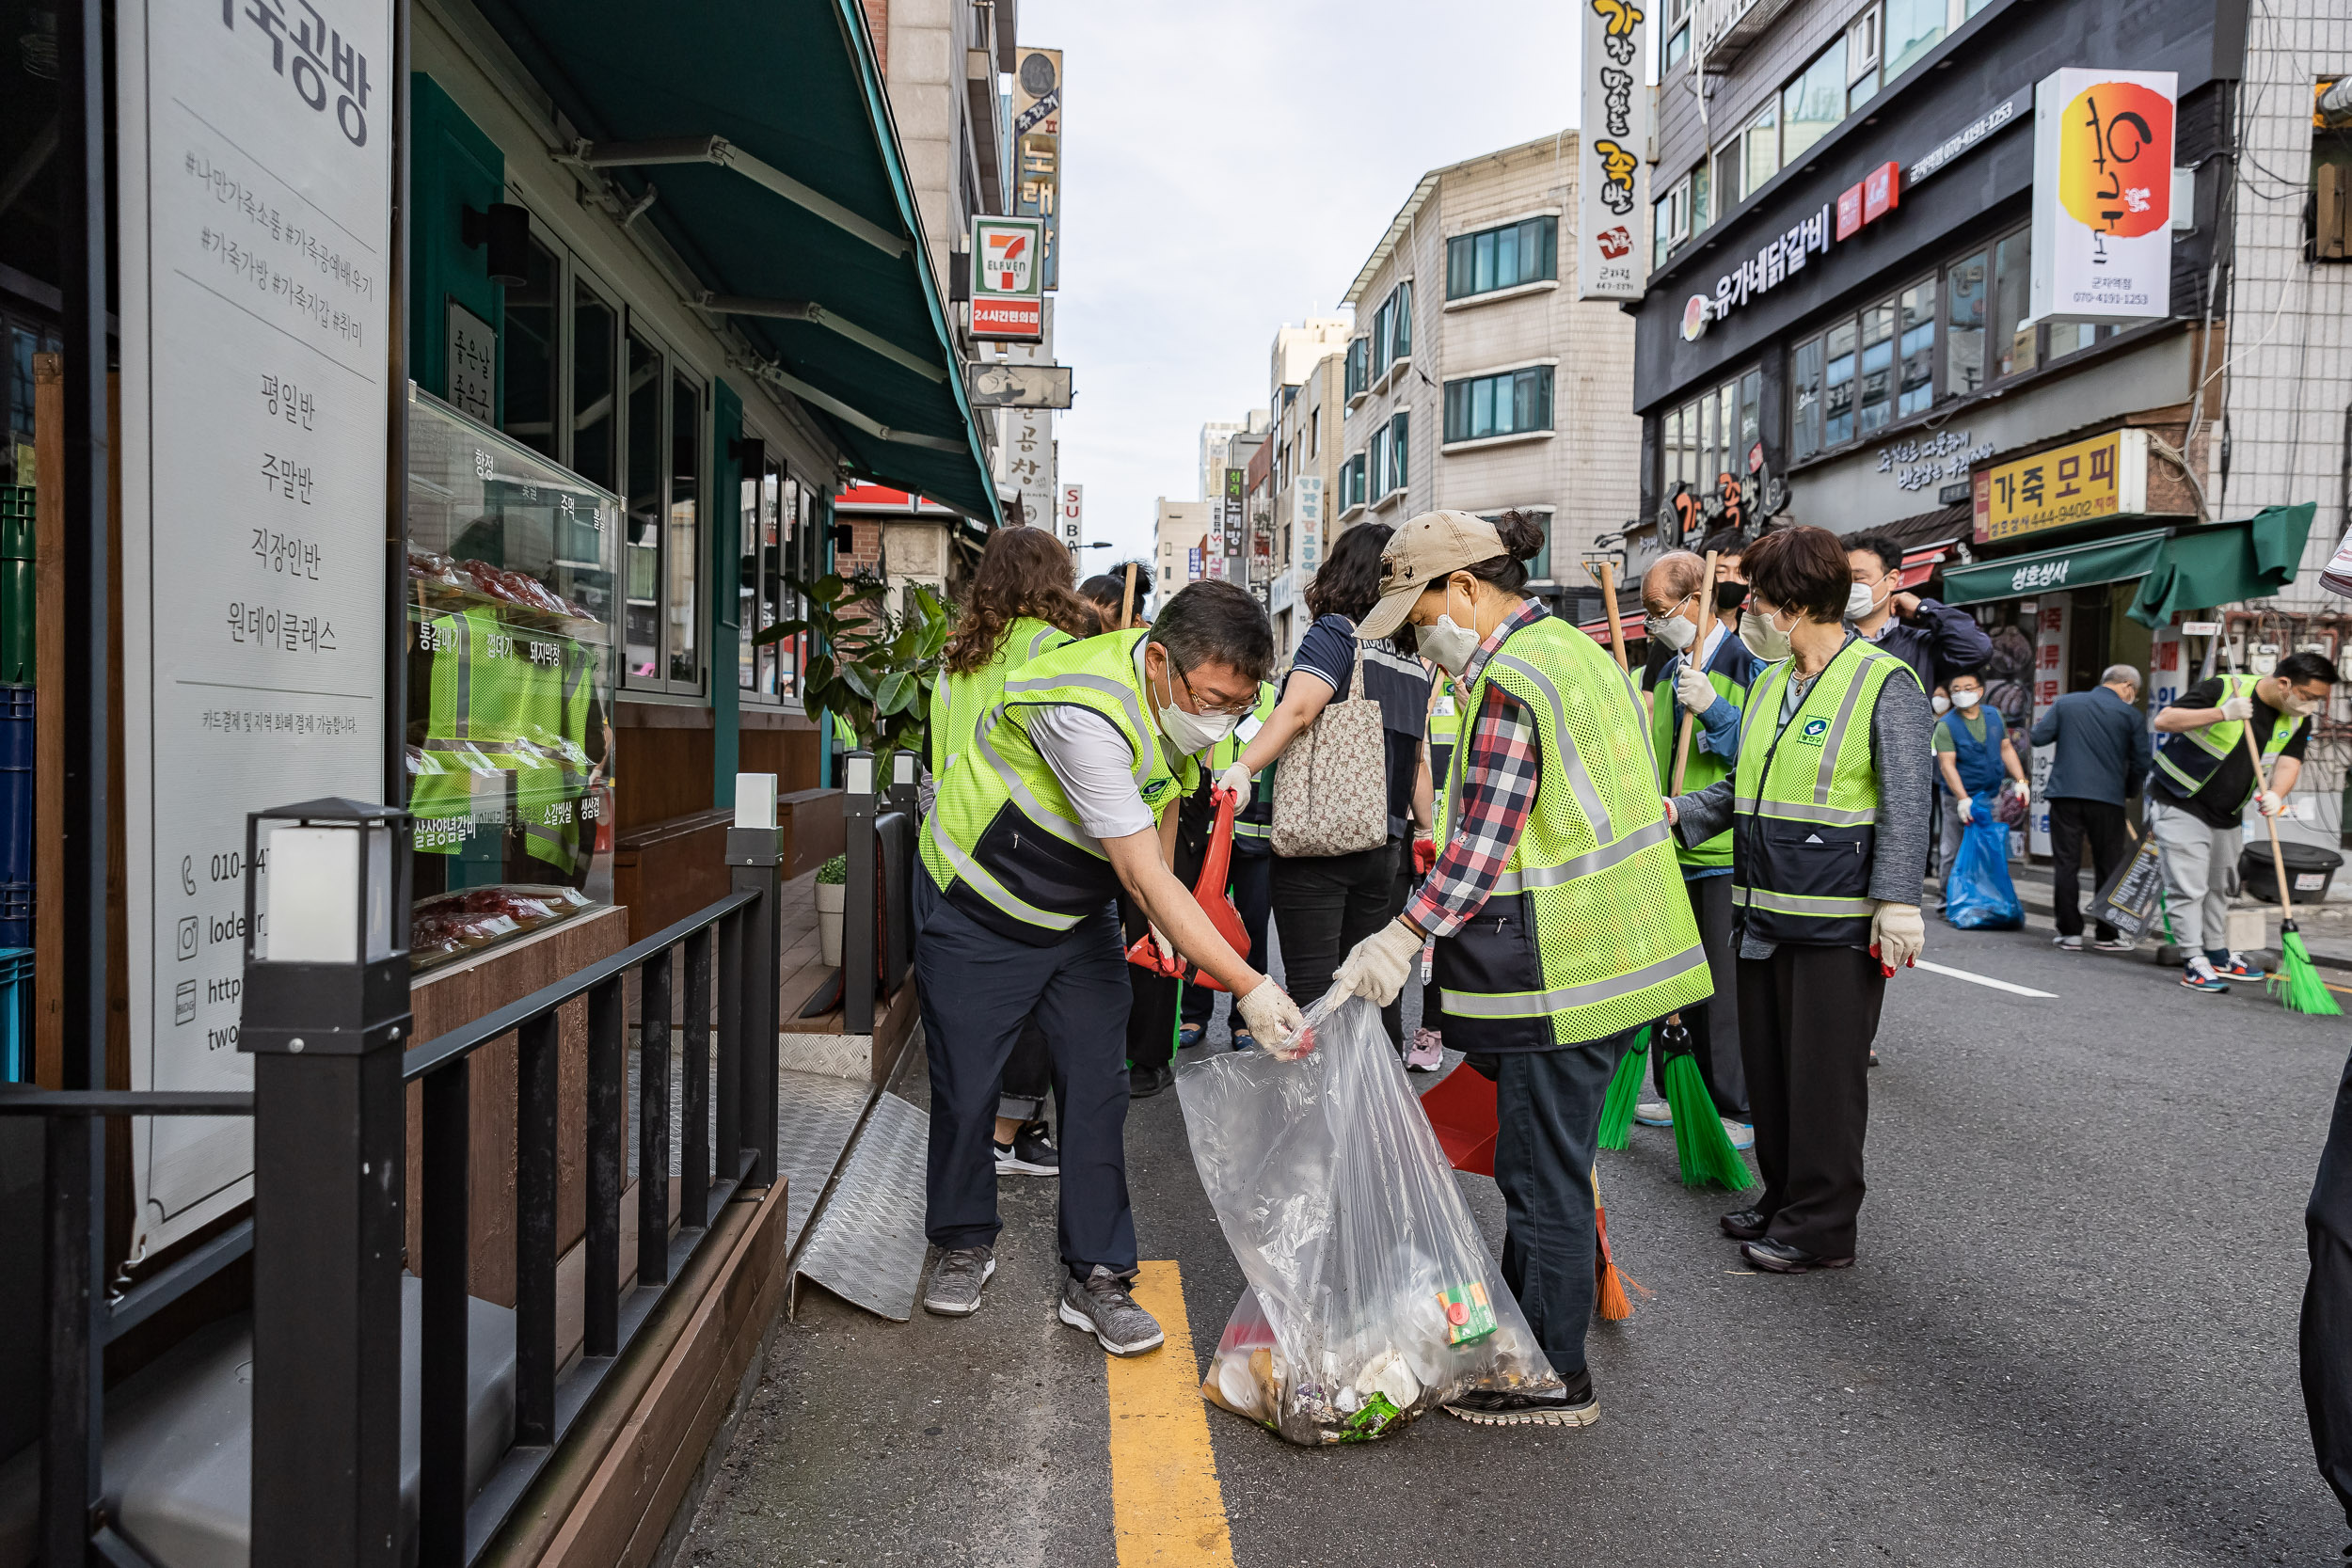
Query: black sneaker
[[1574, 1406], [1031, 1153], [1775, 1256], [1745, 1225], [1145, 1081]]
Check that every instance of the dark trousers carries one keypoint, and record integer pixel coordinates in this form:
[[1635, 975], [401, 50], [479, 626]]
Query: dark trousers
[[1807, 1016], [1029, 1074], [2073, 823], [1324, 905], [2327, 1338], [1151, 1033], [1714, 1024], [978, 990], [1401, 887], [1547, 1136], [1252, 882]]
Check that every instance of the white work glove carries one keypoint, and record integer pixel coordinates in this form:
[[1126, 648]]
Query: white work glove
[[2024, 792], [1274, 1020], [1897, 935], [2240, 707], [1968, 808], [1239, 780], [1673, 814], [1160, 938], [2270, 802], [1378, 966], [1692, 690]]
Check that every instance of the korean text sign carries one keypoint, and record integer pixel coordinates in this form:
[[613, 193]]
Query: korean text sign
[[2101, 242], [2106, 476], [1614, 130]]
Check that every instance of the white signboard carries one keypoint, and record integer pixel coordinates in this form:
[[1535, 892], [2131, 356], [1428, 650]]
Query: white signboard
[[254, 180], [1308, 515], [1613, 133], [2101, 247], [1073, 513]]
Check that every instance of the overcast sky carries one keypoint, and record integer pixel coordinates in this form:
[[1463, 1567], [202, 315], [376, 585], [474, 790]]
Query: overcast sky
[[1228, 166]]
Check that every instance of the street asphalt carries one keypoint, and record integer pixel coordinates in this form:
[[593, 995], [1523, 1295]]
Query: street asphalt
[[2070, 1339]]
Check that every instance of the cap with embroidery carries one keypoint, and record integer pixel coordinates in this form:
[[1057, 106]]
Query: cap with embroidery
[[1422, 551]]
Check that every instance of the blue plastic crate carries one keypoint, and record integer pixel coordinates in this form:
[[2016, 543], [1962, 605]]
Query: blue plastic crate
[[16, 1015], [16, 787], [16, 915]]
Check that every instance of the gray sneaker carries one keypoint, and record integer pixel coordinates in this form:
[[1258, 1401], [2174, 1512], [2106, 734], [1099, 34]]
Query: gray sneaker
[[955, 1281], [1099, 1305]]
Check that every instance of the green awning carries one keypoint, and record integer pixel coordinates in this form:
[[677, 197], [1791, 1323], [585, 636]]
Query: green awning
[[2067, 566], [2189, 568], [2210, 567], [762, 135]]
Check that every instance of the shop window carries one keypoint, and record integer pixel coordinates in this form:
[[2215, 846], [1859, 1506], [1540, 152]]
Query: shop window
[[642, 628], [1862, 59], [533, 346], [1837, 385], [1813, 103], [510, 628], [1914, 386], [1804, 383], [1964, 285], [682, 546], [1913, 28], [1501, 258], [1511, 404], [1877, 404], [596, 385], [2328, 205]]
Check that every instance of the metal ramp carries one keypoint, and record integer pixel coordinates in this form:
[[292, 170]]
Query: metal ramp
[[866, 1244]]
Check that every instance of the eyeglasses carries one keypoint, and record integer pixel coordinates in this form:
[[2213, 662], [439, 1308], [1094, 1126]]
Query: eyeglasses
[[1223, 708]]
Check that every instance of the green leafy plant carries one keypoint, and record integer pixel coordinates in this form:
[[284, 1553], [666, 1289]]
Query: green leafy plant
[[871, 664], [833, 872]]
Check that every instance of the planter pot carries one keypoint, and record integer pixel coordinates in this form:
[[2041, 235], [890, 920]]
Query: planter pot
[[831, 899]]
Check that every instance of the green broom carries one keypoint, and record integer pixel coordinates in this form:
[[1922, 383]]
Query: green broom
[[1625, 1088], [1700, 1142], [2296, 983]]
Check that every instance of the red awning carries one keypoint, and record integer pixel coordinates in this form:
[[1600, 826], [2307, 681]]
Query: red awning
[[1598, 628], [1920, 561]]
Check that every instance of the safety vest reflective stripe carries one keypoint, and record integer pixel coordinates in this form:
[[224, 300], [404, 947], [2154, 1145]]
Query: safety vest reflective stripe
[[1784, 811], [976, 877], [1557, 735], [1035, 810], [2190, 757], [1540, 1004], [1789, 903], [1585, 864], [1251, 829], [1045, 639], [1146, 751]]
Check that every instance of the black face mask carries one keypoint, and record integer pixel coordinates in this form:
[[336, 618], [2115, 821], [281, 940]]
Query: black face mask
[[1730, 597]]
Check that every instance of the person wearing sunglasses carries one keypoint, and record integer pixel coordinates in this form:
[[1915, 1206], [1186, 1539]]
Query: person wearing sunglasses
[[1065, 799]]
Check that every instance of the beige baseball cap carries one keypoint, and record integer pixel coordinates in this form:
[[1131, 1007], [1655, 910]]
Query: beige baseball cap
[[1421, 553]]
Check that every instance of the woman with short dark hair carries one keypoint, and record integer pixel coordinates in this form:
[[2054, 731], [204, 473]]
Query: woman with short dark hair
[[1828, 812]]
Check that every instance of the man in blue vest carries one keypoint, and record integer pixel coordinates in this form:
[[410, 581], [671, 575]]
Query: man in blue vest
[[1974, 752]]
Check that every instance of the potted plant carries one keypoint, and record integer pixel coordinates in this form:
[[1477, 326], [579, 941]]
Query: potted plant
[[832, 892], [872, 666]]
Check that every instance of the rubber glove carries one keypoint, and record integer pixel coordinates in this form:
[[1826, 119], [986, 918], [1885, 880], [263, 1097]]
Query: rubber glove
[[1424, 854], [1692, 690], [1238, 780], [1897, 935], [1967, 809], [2025, 791], [2270, 802], [1274, 1020], [2240, 707], [1159, 939], [1674, 814], [1378, 966]]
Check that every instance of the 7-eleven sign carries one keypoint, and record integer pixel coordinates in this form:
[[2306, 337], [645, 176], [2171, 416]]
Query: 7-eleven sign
[[1005, 256]]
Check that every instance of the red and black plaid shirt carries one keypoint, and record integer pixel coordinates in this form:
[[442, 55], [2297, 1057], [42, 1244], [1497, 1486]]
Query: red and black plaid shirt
[[1498, 790]]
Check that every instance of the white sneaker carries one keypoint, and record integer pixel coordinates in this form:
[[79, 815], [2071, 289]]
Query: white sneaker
[[1743, 1137], [2072, 944], [1653, 1112]]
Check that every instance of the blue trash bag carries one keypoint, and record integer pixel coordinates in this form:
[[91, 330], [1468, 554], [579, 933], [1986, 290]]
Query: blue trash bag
[[1977, 893]]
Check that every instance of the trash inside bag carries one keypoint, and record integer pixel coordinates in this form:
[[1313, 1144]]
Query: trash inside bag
[[1979, 894], [1372, 1299]]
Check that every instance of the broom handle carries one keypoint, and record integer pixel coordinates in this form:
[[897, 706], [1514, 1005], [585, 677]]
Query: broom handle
[[1707, 629], [1608, 575], [2278, 856]]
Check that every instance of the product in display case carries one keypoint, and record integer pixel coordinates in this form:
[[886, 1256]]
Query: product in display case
[[512, 618]]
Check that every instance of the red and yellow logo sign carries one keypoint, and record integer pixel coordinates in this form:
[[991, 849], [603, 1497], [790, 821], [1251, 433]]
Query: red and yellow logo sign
[[2114, 159]]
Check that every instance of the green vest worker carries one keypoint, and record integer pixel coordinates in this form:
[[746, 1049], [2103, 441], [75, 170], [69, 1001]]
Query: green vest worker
[[1828, 816], [1561, 922], [1712, 683], [2204, 782], [1065, 798]]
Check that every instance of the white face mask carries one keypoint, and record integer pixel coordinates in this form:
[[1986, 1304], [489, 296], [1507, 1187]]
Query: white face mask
[[1190, 733], [1673, 630], [1860, 606], [1450, 643], [1965, 700], [2302, 706], [1766, 640], [1939, 703]]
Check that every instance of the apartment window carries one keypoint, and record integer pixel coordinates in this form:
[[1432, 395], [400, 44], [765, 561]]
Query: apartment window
[[1501, 258], [1913, 28], [1877, 405], [1677, 32], [1862, 59], [1813, 103], [1866, 371], [1352, 482], [2013, 267], [1712, 435], [1837, 385], [1538, 565], [1359, 366], [1965, 284], [1510, 403], [1804, 388], [1381, 337], [1401, 321], [1728, 189], [1914, 375], [1314, 433], [1760, 150], [1399, 428], [1702, 209], [1670, 222]]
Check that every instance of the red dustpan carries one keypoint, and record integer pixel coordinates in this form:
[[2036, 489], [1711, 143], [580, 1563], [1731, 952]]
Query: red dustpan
[[1209, 893], [1461, 1111]]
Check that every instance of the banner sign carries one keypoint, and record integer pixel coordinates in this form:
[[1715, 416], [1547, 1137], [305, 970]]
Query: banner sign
[[1073, 513], [2102, 246], [2106, 476], [1007, 280], [255, 201], [1612, 131], [1037, 148]]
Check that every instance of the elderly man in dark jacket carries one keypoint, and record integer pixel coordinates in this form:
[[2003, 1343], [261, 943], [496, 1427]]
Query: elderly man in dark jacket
[[1933, 639], [2104, 753]]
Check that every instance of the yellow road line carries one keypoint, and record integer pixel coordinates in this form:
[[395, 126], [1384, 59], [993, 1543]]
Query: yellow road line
[[1165, 1500]]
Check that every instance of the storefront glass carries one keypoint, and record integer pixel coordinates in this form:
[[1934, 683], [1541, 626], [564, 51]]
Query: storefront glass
[[512, 621]]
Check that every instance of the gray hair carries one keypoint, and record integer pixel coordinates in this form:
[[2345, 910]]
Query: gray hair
[[2120, 674]]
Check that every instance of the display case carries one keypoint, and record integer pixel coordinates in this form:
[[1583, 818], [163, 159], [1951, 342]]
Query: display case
[[511, 623]]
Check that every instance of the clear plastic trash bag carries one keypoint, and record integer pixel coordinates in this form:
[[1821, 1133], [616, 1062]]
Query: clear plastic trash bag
[[1372, 1299]]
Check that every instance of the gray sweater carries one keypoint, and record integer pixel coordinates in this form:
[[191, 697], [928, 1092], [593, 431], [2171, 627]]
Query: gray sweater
[[1901, 732]]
